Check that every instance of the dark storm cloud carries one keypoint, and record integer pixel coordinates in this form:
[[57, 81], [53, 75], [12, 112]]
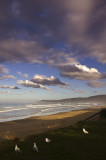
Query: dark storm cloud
[[20, 51], [6, 19], [40, 79], [30, 29]]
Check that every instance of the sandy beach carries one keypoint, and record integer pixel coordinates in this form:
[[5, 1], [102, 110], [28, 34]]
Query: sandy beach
[[35, 125]]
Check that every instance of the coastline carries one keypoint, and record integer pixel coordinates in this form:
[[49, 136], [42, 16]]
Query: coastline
[[40, 124]]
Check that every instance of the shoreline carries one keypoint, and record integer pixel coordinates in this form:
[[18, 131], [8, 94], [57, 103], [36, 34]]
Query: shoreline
[[37, 115], [40, 124]]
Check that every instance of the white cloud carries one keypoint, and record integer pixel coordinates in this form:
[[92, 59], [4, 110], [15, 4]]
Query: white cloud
[[96, 84], [86, 69], [81, 72], [3, 69], [31, 84], [10, 87], [5, 92], [23, 75], [51, 81], [79, 91], [6, 77], [19, 73], [97, 92]]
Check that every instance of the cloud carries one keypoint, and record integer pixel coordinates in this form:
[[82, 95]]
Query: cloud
[[15, 50], [103, 76], [86, 69], [97, 92], [36, 27], [18, 51], [19, 73], [31, 84], [56, 33], [67, 87], [3, 92], [81, 72], [10, 87], [68, 68], [6, 77], [3, 69], [15, 8], [79, 91], [96, 84], [24, 75], [41, 79]]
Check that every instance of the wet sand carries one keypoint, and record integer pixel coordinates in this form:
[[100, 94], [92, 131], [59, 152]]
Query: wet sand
[[35, 125]]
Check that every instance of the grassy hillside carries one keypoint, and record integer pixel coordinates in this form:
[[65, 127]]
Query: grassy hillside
[[67, 144], [96, 99]]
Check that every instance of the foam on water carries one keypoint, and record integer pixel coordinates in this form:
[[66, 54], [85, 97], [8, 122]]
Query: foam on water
[[21, 111]]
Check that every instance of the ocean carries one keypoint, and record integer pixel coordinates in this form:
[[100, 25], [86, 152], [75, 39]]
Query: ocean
[[14, 111]]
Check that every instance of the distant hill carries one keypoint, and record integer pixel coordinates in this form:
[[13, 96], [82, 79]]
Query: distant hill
[[92, 99]]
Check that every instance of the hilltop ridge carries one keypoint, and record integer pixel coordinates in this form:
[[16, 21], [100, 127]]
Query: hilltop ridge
[[94, 99]]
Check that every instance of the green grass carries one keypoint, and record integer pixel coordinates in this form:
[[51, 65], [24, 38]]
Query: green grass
[[67, 144]]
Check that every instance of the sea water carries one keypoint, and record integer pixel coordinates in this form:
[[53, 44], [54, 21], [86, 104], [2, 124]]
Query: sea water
[[14, 111]]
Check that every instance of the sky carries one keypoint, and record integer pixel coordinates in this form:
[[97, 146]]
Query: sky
[[52, 49]]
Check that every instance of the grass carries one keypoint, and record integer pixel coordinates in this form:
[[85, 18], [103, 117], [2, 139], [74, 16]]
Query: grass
[[67, 144]]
